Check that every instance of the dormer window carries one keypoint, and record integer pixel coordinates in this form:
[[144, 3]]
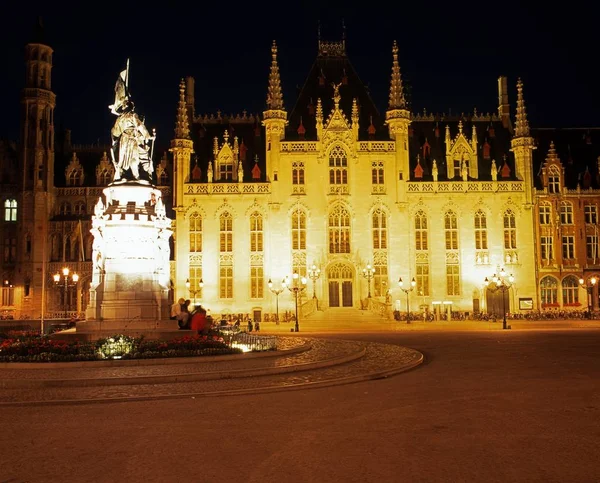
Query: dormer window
[[74, 178], [553, 180]]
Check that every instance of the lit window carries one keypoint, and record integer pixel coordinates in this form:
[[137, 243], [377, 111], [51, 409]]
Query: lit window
[[338, 166], [226, 233], [421, 231], [298, 230], [256, 232], [339, 230], [10, 210], [510, 231], [379, 230], [195, 233], [480, 231], [451, 231]]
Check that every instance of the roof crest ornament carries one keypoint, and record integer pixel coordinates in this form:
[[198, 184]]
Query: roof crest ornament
[[397, 99], [274, 94], [182, 129], [522, 125]]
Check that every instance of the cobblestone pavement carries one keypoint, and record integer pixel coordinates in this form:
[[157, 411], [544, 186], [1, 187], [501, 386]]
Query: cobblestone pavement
[[379, 360]]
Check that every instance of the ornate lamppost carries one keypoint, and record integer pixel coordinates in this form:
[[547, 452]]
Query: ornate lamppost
[[66, 284], [503, 283], [368, 273], [314, 273], [297, 285], [413, 284], [276, 291], [194, 290], [589, 288]]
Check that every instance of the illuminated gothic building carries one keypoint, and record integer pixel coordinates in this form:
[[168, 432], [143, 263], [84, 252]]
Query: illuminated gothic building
[[446, 200]]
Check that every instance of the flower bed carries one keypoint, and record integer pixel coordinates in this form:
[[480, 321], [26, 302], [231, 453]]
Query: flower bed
[[31, 347]]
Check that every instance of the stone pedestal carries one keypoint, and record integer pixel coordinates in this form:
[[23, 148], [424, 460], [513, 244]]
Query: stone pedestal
[[131, 275]]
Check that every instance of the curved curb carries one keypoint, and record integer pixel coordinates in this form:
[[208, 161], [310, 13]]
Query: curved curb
[[236, 392], [159, 361], [174, 378]]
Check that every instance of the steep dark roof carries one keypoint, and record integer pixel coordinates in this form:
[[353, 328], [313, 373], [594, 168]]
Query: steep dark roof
[[577, 148], [328, 69], [433, 130], [250, 132]]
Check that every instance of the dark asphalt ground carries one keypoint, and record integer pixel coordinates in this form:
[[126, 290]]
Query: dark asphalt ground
[[504, 406]]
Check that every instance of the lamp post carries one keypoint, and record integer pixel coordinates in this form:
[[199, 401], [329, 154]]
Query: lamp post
[[298, 285], [413, 284], [589, 288], [66, 285], [194, 291], [276, 291], [368, 273], [502, 283], [314, 273]]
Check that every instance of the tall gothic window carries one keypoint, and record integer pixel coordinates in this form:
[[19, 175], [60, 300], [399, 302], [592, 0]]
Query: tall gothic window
[[452, 277], [421, 231], [195, 233], [10, 210], [451, 230], [480, 231], [256, 232], [549, 290], [377, 172], [379, 230], [298, 230], [422, 279], [338, 166], [75, 178], [380, 280], [226, 281], [257, 282], [79, 208], [510, 231], [570, 290], [298, 173], [195, 275], [339, 230], [226, 233]]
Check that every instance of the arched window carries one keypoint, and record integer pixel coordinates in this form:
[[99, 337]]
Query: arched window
[[79, 208], [338, 166], [256, 232], [566, 213], [379, 230], [64, 208], [195, 232], [75, 178], [226, 232], [480, 231], [104, 177], [451, 230], [298, 230], [545, 214], [510, 230], [570, 291], [548, 291], [421, 238], [339, 230], [10, 210]]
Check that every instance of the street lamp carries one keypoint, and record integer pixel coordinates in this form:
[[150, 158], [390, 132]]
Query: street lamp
[[66, 285], [276, 291], [194, 291], [368, 274], [413, 284], [589, 287], [314, 273], [502, 283], [298, 285]]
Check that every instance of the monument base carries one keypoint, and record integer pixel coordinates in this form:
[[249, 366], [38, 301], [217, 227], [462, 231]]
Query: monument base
[[149, 329]]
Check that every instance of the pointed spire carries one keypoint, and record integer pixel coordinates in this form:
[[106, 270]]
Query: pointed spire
[[182, 129], [522, 125], [397, 100], [274, 95]]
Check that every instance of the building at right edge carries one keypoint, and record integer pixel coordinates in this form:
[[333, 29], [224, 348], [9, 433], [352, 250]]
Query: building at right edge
[[567, 197]]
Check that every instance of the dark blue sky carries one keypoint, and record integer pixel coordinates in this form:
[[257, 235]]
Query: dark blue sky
[[451, 55]]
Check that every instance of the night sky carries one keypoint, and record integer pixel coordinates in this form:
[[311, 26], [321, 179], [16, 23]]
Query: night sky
[[451, 56]]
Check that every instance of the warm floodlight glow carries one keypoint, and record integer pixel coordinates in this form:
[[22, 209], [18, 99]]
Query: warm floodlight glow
[[65, 271], [75, 278], [56, 277]]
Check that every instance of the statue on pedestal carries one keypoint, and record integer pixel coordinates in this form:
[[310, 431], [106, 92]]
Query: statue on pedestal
[[132, 144]]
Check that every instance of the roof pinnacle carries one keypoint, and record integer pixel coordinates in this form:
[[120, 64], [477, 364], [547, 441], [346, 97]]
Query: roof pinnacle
[[274, 95], [397, 100], [522, 125], [182, 129]]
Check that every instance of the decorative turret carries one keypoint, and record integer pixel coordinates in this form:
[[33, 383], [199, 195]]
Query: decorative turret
[[398, 120], [523, 146], [182, 129], [397, 100], [274, 95], [274, 120], [522, 125], [182, 148]]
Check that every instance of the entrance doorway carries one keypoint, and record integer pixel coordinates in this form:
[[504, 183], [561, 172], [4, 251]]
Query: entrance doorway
[[495, 303], [340, 285]]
